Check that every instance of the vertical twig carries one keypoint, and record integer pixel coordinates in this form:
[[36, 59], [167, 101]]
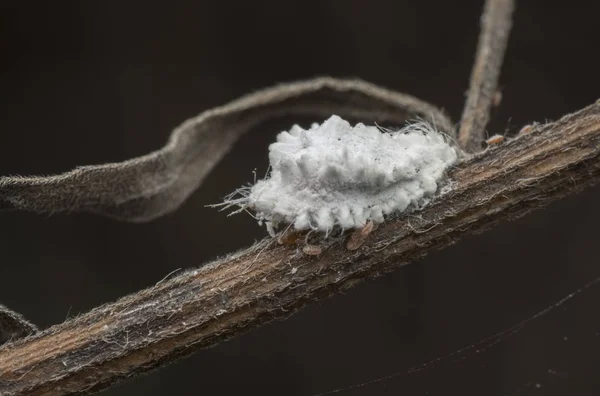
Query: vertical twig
[[496, 22]]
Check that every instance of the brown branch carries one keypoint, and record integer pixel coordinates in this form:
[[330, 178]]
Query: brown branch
[[496, 23], [203, 307]]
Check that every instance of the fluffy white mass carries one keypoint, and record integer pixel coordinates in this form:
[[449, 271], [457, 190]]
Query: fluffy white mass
[[335, 175]]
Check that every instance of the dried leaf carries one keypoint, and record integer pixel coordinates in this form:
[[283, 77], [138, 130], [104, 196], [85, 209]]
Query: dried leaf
[[152, 185]]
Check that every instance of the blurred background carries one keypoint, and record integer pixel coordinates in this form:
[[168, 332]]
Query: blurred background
[[93, 82]]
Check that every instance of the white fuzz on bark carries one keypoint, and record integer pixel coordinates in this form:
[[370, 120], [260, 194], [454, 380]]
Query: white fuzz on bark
[[335, 175]]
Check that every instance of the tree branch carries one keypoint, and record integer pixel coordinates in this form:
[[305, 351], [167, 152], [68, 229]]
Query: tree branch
[[203, 307], [496, 23]]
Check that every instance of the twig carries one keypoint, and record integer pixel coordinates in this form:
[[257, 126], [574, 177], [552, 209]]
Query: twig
[[496, 23], [203, 307]]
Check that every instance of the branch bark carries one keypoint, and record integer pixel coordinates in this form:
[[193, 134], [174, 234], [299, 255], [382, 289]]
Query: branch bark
[[496, 22], [203, 307]]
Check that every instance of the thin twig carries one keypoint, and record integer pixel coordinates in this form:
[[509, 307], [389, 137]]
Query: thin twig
[[203, 307], [496, 23]]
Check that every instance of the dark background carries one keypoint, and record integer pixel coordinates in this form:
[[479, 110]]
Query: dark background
[[91, 82]]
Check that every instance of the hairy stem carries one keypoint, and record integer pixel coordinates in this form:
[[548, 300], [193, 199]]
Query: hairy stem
[[203, 307], [496, 23]]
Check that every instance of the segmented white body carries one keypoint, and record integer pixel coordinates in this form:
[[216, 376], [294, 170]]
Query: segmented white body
[[336, 175]]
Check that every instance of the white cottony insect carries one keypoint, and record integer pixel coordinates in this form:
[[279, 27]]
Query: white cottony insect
[[335, 175]]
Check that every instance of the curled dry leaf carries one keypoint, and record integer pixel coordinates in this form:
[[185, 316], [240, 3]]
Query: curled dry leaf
[[152, 185]]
